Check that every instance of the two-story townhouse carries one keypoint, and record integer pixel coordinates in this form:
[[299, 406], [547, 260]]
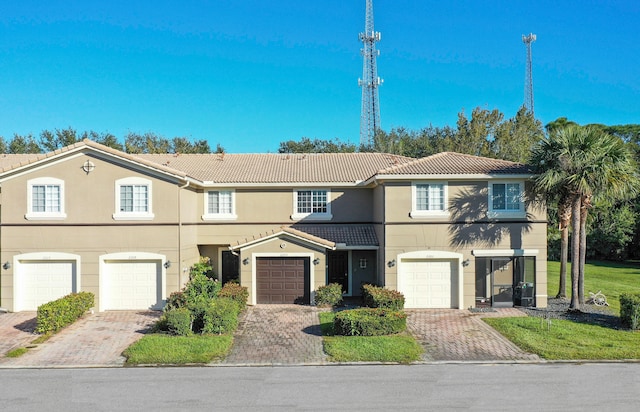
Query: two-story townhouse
[[446, 230]]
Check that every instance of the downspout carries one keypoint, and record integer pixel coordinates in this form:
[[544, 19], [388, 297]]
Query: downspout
[[180, 233]]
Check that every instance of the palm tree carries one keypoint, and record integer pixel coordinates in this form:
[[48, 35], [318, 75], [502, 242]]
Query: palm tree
[[582, 163]]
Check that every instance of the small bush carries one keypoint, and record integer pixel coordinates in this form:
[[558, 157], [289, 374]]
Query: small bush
[[234, 291], [630, 310], [378, 297], [178, 321], [176, 300], [369, 322], [221, 316], [329, 295], [55, 315]]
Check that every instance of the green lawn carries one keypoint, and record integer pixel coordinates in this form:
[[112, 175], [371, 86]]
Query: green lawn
[[165, 349], [392, 348], [566, 340], [612, 278]]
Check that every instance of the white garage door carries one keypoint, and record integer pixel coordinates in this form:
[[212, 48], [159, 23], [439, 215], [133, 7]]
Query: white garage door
[[44, 281], [429, 283], [132, 284]]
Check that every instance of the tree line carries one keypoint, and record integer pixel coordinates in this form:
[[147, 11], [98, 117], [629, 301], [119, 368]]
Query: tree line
[[134, 143]]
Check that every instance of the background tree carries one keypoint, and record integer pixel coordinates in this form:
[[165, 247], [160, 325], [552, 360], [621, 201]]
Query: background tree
[[306, 145], [23, 144]]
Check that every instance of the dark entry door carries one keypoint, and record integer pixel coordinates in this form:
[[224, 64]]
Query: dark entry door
[[339, 269], [230, 267]]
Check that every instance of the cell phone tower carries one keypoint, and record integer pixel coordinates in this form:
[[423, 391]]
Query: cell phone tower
[[528, 76], [370, 113]]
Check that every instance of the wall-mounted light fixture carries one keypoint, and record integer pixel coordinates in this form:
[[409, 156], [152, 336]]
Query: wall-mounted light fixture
[[391, 263], [245, 261], [6, 265], [316, 261], [466, 263], [167, 264]]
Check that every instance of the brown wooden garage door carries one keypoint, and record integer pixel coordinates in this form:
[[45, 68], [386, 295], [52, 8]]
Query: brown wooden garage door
[[282, 280]]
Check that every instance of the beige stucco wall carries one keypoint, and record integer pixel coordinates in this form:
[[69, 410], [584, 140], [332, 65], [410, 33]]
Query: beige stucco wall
[[89, 229], [466, 229]]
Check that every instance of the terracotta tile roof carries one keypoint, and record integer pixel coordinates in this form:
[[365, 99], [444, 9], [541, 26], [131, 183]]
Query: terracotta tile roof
[[279, 168], [348, 234], [457, 163], [280, 231], [12, 161]]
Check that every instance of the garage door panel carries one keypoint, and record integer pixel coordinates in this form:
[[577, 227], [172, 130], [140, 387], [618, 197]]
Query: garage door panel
[[133, 285], [282, 280], [429, 283], [45, 281]]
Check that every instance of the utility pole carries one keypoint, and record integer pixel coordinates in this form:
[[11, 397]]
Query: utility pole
[[528, 77], [370, 113]]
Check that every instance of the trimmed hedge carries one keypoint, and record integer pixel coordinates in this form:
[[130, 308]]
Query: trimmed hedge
[[377, 297], [630, 310], [57, 314], [234, 291], [178, 321], [369, 322], [221, 316], [329, 295]]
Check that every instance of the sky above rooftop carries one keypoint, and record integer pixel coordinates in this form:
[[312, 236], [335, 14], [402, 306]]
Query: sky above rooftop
[[249, 74]]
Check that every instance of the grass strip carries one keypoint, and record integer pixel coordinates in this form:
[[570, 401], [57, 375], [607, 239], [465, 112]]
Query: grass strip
[[567, 340], [16, 353], [178, 350], [400, 348]]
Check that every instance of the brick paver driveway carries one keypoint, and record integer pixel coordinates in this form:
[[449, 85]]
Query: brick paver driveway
[[95, 340], [278, 334], [16, 330], [460, 335]]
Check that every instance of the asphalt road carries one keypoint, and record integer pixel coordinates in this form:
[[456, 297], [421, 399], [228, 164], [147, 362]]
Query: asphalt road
[[440, 387]]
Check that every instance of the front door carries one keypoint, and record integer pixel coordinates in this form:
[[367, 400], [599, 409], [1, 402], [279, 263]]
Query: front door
[[338, 270], [502, 282]]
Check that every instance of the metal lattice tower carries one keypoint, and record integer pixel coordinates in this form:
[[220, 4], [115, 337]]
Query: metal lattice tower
[[528, 77], [370, 113]]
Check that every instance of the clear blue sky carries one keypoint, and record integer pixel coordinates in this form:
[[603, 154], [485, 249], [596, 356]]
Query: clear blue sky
[[249, 74]]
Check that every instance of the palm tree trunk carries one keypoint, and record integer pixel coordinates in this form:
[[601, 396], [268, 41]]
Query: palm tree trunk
[[584, 211], [575, 251], [564, 217]]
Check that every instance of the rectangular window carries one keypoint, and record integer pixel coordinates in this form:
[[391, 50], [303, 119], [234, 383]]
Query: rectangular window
[[219, 202], [46, 198], [430, 197], [506, 197], [134, 198], [312, 201]]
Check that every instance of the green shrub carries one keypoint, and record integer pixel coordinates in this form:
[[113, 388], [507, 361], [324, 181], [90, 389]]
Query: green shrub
[[55, 315], [630, 310], [234, 291], [378, 297], [221, 316], [178, 321], [176, 300], [329, 295], [369, 322]]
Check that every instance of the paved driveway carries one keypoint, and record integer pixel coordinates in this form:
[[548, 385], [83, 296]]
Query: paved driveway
[[460, 335], [278, 335], [95, 340]]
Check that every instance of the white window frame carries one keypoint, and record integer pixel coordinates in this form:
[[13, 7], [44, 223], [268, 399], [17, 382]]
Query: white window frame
[[311, 216], [45, 181], [520, 212], [134, 181], [444, 212], [220, 216]]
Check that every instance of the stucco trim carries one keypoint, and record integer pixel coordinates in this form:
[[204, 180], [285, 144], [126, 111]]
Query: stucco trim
[[504, 252]]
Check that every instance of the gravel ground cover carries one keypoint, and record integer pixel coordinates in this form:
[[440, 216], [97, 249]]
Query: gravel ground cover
[[558, 308]]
